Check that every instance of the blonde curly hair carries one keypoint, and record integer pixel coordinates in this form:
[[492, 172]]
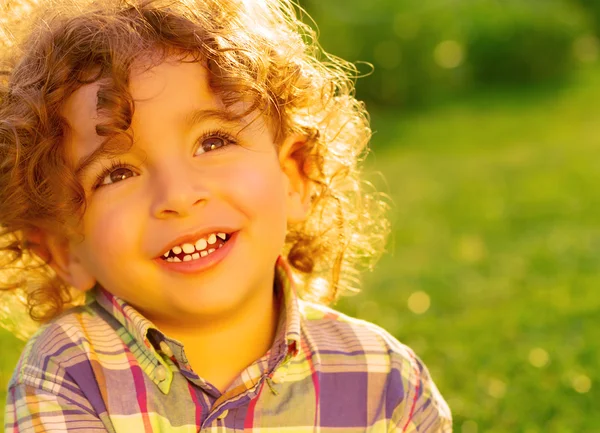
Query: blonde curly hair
[[255, 47]]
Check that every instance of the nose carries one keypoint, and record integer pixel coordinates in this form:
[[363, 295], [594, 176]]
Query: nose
[[177, 192]]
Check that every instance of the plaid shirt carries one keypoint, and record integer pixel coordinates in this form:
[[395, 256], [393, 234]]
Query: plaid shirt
[[104, 367]]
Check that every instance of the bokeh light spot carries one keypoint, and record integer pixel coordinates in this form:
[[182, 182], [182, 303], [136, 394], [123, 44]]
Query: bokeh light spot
[[449, 54], [538, 357], [497, 388], [471, 249], [581, 383], [419, 302], [469, 426]]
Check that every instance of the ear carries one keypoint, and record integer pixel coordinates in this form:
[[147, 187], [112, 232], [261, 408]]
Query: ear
[[298, 190], [58, 253]]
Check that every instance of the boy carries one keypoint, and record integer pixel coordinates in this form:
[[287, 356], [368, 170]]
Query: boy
[[192, 168]]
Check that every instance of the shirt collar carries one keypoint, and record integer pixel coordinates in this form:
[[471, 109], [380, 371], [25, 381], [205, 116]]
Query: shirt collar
[[285, 345], [288, 332]]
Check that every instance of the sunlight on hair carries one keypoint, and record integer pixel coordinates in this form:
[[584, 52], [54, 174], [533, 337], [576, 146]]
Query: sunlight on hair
[[4, 38], [11, 12], [13, 310], [14, 317], [20, 9], [321, 287]]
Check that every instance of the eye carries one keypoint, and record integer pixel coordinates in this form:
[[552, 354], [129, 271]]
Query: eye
[[213, 141], [113, 174], [120, 173]]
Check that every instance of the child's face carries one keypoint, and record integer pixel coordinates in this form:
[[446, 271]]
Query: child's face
[[171, 185]]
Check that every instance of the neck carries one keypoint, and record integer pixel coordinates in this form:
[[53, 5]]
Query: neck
[[219, 351]]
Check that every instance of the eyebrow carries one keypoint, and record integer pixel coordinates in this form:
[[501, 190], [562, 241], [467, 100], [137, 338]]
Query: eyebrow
[[202, 115], [112, 146]]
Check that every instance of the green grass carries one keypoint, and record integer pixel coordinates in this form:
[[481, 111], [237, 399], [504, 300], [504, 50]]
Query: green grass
[[496, 219], [495, 215], [10, 349]]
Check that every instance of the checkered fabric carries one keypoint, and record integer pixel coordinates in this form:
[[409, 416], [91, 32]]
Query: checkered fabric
[[104, 367]]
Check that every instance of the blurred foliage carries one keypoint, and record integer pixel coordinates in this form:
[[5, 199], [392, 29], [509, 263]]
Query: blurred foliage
[[592, 9], [424, 52], [520, 42]]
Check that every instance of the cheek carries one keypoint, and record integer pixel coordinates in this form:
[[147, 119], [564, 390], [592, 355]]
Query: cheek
[[261, 188], [110, 230]]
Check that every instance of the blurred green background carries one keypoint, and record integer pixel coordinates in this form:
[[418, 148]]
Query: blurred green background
[[486, 125]]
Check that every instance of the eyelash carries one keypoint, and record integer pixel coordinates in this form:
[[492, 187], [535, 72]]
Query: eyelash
[[117, 163]]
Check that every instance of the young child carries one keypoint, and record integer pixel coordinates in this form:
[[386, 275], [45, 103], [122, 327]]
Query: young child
[[192, 167]]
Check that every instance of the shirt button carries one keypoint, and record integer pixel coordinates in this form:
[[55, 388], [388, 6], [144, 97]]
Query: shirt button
[[222, 415], [160, 373], [164, 347]]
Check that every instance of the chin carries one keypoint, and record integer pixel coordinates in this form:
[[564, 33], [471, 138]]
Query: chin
[[211, 306]]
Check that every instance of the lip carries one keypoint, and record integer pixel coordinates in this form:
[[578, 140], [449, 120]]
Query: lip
[[193, 237], [202, 263]]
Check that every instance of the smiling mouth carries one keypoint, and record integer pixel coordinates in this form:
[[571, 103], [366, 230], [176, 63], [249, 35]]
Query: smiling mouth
[[202, 248]]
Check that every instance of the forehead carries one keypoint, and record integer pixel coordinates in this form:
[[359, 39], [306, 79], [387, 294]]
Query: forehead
[[81, 114], [164, 94]]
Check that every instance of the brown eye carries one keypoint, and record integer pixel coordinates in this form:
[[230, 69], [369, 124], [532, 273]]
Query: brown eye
[[213, 143], [115, 172], [120, 174]]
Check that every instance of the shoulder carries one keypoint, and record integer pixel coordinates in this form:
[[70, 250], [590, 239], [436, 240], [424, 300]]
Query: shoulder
[[61, 347], [357, 345], [328, 327], [396, 374], [54, 382]]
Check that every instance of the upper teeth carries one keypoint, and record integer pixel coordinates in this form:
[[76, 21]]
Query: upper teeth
[[200, 244]]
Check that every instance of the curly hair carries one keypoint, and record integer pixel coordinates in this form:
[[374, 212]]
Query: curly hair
[[256, 48]]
